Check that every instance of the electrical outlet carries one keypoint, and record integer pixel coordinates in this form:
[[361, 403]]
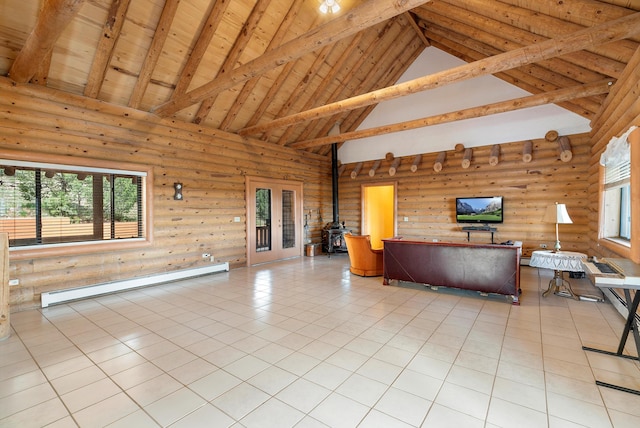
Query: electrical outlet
[[13, 282], [212, 259], [206, 255], [543, 245], [406, 219]]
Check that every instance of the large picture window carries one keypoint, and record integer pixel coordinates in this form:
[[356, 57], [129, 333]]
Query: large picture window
[[49, 204], [616, 196]]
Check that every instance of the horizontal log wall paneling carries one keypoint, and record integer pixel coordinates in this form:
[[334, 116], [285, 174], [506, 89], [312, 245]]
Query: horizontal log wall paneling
[[620, 111], [212, 166], [427, 197]]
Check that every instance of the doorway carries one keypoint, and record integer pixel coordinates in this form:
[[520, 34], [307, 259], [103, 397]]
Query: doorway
[[274, 225], [379, 212]]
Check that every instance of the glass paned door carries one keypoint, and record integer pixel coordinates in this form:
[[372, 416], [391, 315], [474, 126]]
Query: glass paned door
[[274, 221], [288, 219], [263, 220]]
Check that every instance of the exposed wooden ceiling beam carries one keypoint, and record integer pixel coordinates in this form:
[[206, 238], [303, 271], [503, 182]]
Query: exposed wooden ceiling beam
[[380, 78], [322, 87], [246, 33], [628, 26], [202, 43], [295, 94], [417, 29], [159, 38], [53, 18], [589, 89], [110, 34], [358, 19], [524, 27], [276, 41]]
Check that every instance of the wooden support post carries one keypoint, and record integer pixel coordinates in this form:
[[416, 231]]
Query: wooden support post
[[551, 136], [356, 170], [527, 151], [494, 157], [416, 163], [394, 166], [466, 160], [565, 149], [5, 327], [341, 169], [374, 168], [437, 166]]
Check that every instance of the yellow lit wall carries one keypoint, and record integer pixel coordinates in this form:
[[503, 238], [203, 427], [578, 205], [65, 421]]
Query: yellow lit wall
[[378, 213]]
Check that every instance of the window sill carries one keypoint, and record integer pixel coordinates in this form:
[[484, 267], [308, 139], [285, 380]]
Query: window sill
[[618, 246], [57, 250]]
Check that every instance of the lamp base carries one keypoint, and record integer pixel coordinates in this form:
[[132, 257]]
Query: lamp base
[[560, 287]]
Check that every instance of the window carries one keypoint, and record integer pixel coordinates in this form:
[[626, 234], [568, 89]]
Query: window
[[616, 194], [51, 204]]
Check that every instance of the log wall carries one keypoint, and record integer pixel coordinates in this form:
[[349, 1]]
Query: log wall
[[211, 165], [428, 197], [620, 111]]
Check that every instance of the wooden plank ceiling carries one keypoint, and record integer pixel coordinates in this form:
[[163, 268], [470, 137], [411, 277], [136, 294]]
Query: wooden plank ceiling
[[280, 71]]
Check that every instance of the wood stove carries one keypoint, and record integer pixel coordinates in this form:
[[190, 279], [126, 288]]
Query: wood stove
[[333, 239]]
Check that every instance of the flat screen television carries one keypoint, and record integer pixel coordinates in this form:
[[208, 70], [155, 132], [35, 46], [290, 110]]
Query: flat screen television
[[483, 209]]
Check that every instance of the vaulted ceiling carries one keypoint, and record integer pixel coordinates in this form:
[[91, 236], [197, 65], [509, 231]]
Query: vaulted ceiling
[[280, 71]]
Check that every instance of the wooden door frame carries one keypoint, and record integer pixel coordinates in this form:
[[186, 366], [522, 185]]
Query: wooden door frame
[[251, 181]]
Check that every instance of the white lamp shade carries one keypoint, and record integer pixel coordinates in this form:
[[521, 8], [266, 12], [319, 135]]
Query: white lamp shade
[[558, 214]]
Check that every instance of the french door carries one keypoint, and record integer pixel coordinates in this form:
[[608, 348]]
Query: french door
[[274, 224]]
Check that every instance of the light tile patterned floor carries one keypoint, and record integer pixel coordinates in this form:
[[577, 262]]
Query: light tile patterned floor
[[303, 343]]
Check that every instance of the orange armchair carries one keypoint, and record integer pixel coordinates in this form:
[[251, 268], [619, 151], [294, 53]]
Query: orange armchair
[[365, 261]]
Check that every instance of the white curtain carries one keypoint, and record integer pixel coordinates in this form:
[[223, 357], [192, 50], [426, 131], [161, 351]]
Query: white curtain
[[617, 150]]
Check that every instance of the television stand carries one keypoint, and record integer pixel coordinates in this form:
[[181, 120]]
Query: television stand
[[470, 229]]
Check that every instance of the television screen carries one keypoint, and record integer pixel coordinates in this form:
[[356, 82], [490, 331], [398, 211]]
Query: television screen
[[486, 209]]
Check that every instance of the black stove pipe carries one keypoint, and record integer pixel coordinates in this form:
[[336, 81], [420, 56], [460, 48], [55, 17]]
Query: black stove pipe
[[334, 183]]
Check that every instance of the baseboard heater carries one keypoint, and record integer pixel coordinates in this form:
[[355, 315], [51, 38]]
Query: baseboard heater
[[60, 296]]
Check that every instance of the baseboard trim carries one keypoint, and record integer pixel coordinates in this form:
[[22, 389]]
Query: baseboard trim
[[61, 296]]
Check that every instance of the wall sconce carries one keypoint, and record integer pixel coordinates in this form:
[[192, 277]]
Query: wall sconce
[[177, 195]]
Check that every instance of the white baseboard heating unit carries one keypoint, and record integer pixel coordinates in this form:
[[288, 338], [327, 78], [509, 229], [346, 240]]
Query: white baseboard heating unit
[[53, 297]]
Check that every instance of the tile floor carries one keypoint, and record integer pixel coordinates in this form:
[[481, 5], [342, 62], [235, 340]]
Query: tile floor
[[303, 343]]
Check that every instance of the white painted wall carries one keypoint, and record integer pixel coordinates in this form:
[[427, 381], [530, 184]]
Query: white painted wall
[[518, 125]]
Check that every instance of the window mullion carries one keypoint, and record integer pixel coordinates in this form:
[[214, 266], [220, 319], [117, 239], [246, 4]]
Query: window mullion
[[112, 198], [38, 205]]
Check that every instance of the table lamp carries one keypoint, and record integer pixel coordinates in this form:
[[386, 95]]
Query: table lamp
[[557, 214]]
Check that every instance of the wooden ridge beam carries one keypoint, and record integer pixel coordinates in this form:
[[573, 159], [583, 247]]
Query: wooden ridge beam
[[364, 16], [589, 89], [628, 26]]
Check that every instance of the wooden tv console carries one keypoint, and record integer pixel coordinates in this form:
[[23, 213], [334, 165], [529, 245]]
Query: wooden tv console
[[485, 268]]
